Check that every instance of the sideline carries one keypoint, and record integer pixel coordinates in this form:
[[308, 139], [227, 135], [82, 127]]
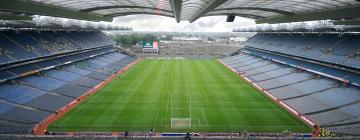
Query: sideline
[[41, 127], [311, 123]]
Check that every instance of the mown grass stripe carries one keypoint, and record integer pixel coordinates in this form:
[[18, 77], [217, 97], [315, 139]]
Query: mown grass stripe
[[140, 99]]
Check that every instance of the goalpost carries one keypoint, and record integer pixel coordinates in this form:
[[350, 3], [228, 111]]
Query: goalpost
[[180, 123]]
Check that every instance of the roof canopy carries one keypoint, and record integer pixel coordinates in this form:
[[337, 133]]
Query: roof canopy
[[263, 11]]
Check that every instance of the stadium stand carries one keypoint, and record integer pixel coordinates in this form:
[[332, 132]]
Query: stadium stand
[[52, 52], [195, 50], [331, 48], [42, 72], [316, 74]]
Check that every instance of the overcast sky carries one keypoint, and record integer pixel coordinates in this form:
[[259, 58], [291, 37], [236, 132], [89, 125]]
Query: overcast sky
[[160, 23]]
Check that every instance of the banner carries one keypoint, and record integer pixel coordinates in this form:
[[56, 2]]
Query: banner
[[150, 45], [147, 45], [155, 45]]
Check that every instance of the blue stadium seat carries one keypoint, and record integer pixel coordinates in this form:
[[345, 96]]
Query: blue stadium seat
[[28, 99]]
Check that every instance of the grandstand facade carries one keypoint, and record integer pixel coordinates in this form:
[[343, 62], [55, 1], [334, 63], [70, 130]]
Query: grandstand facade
[[195, 50]]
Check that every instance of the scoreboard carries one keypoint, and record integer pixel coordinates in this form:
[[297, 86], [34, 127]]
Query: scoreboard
[[150, 47]]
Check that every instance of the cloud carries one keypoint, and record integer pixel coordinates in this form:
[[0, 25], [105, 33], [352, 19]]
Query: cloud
[[160, 23]]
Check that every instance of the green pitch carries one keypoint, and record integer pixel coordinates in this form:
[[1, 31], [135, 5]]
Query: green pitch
[[179, 96]]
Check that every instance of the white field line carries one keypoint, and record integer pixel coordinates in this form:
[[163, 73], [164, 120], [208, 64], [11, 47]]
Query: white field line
[[171, 105], [250, 125], [157, 112], [140, 125], [152, 101], [156, 97], [202, 110], [72, 115], [199, 122], [190, 110], [214, 108]]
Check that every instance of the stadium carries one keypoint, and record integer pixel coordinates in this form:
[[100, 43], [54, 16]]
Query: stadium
[[69, 72]]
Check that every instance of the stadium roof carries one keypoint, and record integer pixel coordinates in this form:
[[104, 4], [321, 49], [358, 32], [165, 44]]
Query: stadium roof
[[264, 11]]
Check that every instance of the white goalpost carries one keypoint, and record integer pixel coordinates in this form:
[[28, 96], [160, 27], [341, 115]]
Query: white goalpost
[[179, 123]]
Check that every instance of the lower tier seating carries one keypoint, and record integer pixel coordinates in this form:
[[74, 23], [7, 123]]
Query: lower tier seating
[[333, 104], [28, 100], [43, 71]]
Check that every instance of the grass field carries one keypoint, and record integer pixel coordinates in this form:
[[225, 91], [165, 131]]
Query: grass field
[[179, 96]]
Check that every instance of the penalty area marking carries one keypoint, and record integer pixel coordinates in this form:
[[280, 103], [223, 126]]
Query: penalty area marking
[[164, 120], [180, 123]]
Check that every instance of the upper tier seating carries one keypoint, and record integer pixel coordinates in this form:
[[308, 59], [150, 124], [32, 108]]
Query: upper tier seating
[[24, 45], [331, 48], [351, 76]]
